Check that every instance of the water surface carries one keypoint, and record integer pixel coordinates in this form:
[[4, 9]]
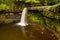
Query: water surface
[[30, 32]]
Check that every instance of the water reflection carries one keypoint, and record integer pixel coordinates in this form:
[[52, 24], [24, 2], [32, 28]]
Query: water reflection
[[31, 32]]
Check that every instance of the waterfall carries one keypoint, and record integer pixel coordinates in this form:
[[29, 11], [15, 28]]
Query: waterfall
[[23, 21]]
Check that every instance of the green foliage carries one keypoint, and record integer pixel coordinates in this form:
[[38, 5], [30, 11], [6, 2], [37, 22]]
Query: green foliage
[[52, 12], [33, 18], [58, 4], [4, 7], [44, 20], [32, 1], [23, 3], [8, 2]]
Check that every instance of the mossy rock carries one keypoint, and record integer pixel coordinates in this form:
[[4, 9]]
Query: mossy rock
[[53, 12]]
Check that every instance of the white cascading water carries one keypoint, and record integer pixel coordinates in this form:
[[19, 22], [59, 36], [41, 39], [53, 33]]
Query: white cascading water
[[23, 21]]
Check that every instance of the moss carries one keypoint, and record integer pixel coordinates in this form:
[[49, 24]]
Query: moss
[[51, 23], [33, 18]]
